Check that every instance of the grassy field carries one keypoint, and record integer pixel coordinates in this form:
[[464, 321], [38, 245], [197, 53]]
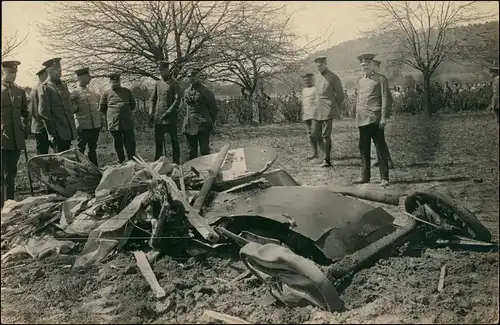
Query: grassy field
[[399, 289]]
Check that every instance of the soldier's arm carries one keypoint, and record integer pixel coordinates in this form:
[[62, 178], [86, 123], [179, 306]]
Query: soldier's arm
[[178, 96], [44, 110], [74, 95], [103, 103], [339, 90], [212, 104], [384, 88], [132, 100], [152, 100], [34, 103]]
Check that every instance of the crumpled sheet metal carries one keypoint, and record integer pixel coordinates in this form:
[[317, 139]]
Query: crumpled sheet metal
[[66, 172], [339, 225], [292, 279], [40, 247], [109, 234], [11, 207]]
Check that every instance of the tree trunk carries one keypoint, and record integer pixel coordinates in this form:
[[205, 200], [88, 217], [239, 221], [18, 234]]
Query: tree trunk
[[427, 94]]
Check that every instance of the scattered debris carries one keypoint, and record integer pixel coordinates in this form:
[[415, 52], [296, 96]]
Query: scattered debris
[[147, 272], [442, 274], [209, 315]]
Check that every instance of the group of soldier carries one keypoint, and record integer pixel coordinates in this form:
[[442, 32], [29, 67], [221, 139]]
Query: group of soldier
[[323, 99], [58, 116]]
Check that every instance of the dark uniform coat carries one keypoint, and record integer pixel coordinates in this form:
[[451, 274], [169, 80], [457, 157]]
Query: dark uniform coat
[[14, 107], [118, 105], [56, 111], [201, 109], [166, 96], [374, 99], [37, 126]]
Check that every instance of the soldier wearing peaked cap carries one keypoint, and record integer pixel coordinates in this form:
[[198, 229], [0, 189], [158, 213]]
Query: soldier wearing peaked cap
[[385, 147], [201, 112], [330, 96], [37, 126], [372, 111], [495, 98], [55, 108], [14, 111], [87, 115], [118, 103], [163, 112]]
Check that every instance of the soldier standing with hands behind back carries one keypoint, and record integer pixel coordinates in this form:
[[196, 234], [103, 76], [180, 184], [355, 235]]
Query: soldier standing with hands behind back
[[14, 107], [37, 127], [163, 109], [200, 115], [118, 103], [88, 118], [329, 95], [55, 108], [371, 116]]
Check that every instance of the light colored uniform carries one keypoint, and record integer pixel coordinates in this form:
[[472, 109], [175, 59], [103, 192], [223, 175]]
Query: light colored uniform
[[308, 103]]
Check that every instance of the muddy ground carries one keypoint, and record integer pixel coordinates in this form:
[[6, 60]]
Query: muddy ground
[[399, 288]]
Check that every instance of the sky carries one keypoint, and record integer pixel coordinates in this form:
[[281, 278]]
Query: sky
[[332, 22]]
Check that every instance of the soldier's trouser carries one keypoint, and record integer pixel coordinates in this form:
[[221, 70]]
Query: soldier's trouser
[[385, 148], [124, 139], [89, 138], [368, 133], [42, 143], [62, 145], [171, 129], [322, 132], [202, 139], [9, 172]]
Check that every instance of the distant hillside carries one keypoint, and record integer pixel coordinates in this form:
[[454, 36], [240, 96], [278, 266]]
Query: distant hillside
[[342, 60]]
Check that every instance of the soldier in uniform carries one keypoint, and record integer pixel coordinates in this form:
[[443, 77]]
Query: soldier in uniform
[[14, 107], [371, 117], [163, 112], [308, 108], [117, 103], [37, 127], [201, 112], [385, 147], [87, 115], [55, 108], [329, 95], [494, 99]]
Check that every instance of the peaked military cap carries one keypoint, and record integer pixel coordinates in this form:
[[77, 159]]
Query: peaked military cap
[[114, 76], [51, 62], [81, 72], [12, 65], [163, 64], [305, 75], [377, 62], [320, 59], [494, 69], [42, 71], [366, 57]]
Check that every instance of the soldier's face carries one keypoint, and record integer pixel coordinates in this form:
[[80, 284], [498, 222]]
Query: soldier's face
[[55, 71], [9, 75], [321, 66], [368, 66], [115, 83], [84, 79], [194, 78], [163, 72]]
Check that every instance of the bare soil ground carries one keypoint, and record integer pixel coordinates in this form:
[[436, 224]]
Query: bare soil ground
[[398, 289]]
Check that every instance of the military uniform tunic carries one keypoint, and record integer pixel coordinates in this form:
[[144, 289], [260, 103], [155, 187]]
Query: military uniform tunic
[[86, 108], [329, 95], [14, 107], [118, 105], [56, 111]]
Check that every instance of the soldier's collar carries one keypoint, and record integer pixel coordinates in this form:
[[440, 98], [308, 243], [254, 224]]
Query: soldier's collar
[[7, 84]]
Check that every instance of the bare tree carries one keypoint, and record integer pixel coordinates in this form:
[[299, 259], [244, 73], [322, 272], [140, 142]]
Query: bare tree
[[10, 45], [261, 46], [141, 93], [424, 33], [129, 37]]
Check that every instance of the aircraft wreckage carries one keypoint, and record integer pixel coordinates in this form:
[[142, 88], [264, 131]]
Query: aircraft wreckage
[[299, 240]]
